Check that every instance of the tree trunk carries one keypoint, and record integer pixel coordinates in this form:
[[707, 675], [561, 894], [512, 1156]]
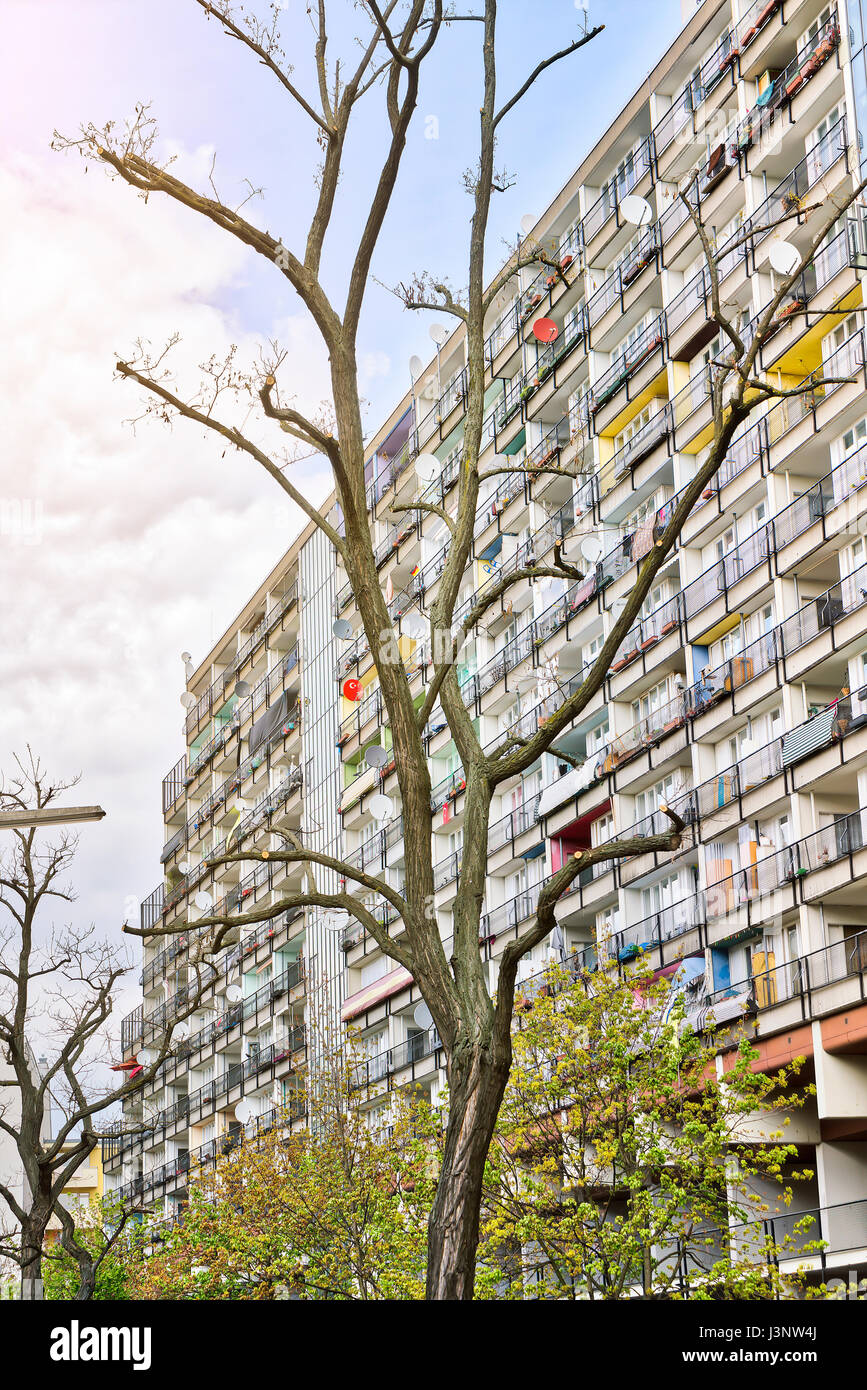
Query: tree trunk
[[477, 1080], [86, 1282], [32, 1236]]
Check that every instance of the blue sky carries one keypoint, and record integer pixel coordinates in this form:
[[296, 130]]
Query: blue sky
[[136, 545]]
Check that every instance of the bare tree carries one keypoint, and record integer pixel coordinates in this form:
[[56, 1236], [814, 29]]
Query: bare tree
[[57, 991], [475, 1030]]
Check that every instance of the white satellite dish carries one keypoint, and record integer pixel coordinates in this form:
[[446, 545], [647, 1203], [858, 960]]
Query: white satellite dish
[[784, 257], [617, 608], [422, 1016], [243, 1111], [335, 920], [381, 807], [234, 994], [528, 222], [186, 656], [427, 467], [429, 391], [416, 366], [439, 333], [636, 210], [242, 689], [181, 1031], [414, 626], [188, 700], [591, 549], [342, 629], [376, 756], [185, 866], [203, 901]]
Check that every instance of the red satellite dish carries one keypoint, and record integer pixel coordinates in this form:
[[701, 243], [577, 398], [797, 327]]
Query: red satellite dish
[[546, 330], [352, 690]]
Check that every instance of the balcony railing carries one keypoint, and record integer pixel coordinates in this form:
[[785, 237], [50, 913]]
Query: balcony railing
[[394, 1059], [627, 363], [608, 203]]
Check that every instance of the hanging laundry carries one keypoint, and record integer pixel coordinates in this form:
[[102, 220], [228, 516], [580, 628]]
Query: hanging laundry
[[642, 541]]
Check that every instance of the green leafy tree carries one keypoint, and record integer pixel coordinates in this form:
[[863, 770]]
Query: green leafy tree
[[103, 1244], [634, 1154], [339, 1211]]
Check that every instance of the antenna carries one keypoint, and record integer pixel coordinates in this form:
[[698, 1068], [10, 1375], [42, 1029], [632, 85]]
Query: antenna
[[439, 333]]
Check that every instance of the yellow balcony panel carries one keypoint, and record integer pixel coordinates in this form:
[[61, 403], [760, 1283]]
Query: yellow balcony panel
[[718, 630], [805, 356], [657, 387]]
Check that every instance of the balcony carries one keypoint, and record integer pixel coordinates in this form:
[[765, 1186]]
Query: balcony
[[648, 350], [417, 1049], [785, 92], [603, 218]]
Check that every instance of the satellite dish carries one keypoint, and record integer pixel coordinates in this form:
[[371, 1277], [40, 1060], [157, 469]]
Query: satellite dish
[[234, 993], [439, 333], [427, 467], [243, 1111], [185, 866], [203, 901], [591, 549], [336, 920], [636, 210], [181, 1031], [422, 1016], [528, 222], [381, 807], [242, 689], [545, 330], [376, 756], [414, 626], [186, 656], [188, 700], [342, 629], [617, 608], [429, 390], [416, 367], [784, 257]]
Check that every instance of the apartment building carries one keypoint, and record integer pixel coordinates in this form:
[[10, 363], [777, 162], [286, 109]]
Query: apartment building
[[739, 697]]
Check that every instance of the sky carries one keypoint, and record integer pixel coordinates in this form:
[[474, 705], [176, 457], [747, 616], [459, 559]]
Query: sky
[[123, 544]]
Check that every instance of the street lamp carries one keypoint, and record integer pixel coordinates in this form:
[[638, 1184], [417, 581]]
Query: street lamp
[[49, 815]]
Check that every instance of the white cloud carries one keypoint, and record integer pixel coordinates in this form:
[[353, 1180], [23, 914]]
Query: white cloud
[[118, 549]]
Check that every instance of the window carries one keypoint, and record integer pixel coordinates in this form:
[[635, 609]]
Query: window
[[837, 338], [637, 423], [661, 895], [823, 144], [597, 738], [852, 440], [810, 36], [650, 701], [622, 351], [650, 800]]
